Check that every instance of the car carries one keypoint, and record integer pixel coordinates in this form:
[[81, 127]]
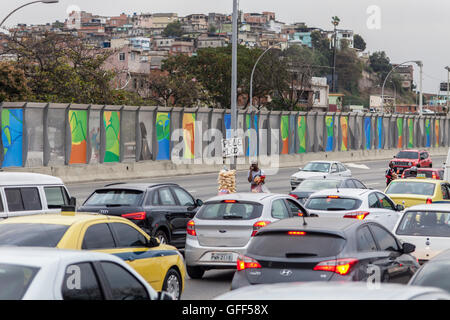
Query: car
[[224, 226], [427, 226], [319, 169], [308, 187], [160, 209], [161, 265], [430, 173], [324, 249], [331, 291], [23, 193], [54, 274], [414, 191], [360, 204], [406, 159], [434, 273]]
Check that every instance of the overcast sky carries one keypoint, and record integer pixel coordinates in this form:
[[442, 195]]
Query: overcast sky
[[408, 29]]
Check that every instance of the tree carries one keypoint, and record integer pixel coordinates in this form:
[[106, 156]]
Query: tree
[[380, 63], [173, 29], [359, 43], [13, 83], [349, 69]]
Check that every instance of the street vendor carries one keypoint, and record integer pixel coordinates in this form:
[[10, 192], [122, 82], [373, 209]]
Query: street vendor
[[255, 172]]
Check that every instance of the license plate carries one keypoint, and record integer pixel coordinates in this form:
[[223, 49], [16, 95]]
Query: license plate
[[222, 257]]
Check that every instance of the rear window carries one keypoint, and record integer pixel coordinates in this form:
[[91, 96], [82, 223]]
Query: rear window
[[282, 245], [231, 211], [425, 223], [31, 234], [333, 204], [407, 155], [15, 280], [115, 198], [434, 275], [405, 187], [318, 185]]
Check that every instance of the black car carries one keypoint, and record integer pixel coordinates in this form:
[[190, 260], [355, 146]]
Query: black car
[[325, 249], [307, 187], [434, 273], [162, 210]]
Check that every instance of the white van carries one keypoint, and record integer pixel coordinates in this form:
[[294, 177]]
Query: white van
[[31, 193]]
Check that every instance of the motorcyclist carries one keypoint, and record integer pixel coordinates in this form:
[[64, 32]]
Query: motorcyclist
[[390, 174], [412, 172]]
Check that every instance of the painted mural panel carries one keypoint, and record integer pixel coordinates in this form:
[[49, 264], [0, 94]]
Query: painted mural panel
[[301, 125], [146, 128], [437, 130], [380, 132], [57, 137], [252, 145], [400, 133], [227, 122], [329, 125], [368, 133], [12, 137], [111, 121], [428, 132], [410, 133], [344, 130], [94, 135], [34, 119], [189, 135], [284, 127], [78, 129], [163, 135]]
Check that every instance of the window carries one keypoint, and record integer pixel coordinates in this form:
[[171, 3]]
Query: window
[[385, 240], [228, 211], [184, 198], [117, 197], [409, 187], [23, 199], [334, 168], [2, 209], [81, 283], [31, 234], [122, 56], [124, 286], [341, 167], [333, 204], [385, 202], [365, 240], [359, 184], [279, 210], [128, 236], [98, 236], [425, 223], [294, 207], [350, 184], [373, 201], [15, 280], [166, 197], [445, 194], [56, 197]]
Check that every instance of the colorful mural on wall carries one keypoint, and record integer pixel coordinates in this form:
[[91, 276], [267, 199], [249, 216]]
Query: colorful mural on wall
[[410, 133], [111, 121], [78, 129], [12, 137], [380, 132], [428, 132], [252, 141], [227, 122], [344, 130], [189, 135], [329, 124], [163, 135], [301, 129], [437, 131], [284, 128], [400, 133], [368, 132]]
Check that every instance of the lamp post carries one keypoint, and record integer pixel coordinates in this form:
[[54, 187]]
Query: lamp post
[[448, 85], [234, 76], [27, 4], [335, 22]]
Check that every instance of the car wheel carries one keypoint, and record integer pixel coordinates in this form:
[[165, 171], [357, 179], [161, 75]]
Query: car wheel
[[431, 165], [195, 272], [162, 237], [173, 284]]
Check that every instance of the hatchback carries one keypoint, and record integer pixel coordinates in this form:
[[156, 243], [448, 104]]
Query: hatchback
[[319, 169], [224, 226], [434, 273], [324, 249]]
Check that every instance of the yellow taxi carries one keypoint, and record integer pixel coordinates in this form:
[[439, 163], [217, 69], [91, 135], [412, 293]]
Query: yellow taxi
[[414, 191], [161, 265]]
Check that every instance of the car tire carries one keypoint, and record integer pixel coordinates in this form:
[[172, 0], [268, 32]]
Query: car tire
[[162, 237], [195, 272], [173, 284], [431, 165]]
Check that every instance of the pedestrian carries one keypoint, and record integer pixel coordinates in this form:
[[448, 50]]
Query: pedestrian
[[390, 174], [255, 177]]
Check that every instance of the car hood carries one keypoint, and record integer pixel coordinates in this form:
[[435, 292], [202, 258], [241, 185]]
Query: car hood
[[404, 160], [306, 174]]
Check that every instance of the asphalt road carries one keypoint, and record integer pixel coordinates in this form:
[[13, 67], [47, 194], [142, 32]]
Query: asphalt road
[[216, 282]]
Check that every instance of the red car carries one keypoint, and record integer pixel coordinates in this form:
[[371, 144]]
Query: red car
[[431, 173], [406, 159]]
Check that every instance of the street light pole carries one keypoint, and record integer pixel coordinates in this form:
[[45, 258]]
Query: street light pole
[[335, 23], [234, 42], [27, 4], [448, 85]]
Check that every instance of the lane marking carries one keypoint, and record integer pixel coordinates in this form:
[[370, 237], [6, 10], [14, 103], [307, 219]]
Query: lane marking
[[358, 166]]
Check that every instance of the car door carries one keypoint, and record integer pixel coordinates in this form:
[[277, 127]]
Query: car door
[[394, 266], [388, 215], [86, 287], [188, 207], [344, 171], [368, 254], [295, 208], [334, 170], [279, 210]]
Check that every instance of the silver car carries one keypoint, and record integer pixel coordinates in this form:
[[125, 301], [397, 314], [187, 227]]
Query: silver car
[[224, 226], [319, 169]]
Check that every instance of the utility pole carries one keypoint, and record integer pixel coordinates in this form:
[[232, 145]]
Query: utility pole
[[448, 85], [335, 21], [234, 78], [420, 64]]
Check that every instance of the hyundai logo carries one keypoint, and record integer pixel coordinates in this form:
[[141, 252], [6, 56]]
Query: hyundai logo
[[286, 273]]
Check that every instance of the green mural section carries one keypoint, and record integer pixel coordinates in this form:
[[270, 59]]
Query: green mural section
[[78, 129], [285, 134], [301, 129], [111, 121]]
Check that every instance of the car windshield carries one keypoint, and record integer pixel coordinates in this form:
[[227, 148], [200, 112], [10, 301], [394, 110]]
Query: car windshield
[[333, 204], [229, 211], [318, 185], [15, 280], [407, 155], [317, 167], [31, 234], [116, 197], [408, 187], [425, 223], [433, 274]]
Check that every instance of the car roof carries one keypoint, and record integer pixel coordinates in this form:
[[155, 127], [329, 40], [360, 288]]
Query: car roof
[[328, 177], [26, 178], [64, 218], [330, 290], [245, 196], [430, 207], [347, 192], [325, 161], [417, 180], [135, 186]]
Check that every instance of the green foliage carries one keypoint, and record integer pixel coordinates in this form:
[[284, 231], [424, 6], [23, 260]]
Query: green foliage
[[359, 42], [13, 83], [173, 29], [380, 64]]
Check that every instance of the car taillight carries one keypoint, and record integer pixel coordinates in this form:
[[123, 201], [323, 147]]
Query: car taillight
[[191, 228], [339, 266], [434, 176], [429, 201], [135, 216], [293, 196], [258, 225], [360, 215], [244, 262]]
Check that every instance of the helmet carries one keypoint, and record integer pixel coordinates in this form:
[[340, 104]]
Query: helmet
[[413, 169]]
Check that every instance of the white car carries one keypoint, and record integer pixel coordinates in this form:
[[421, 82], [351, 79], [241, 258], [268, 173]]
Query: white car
[[426, 226], [317, 290], [359, 204], [319, 169], [56, 274]]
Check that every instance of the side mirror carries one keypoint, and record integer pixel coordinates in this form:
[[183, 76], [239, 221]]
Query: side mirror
[[73, 201], [408, 248], [199, 202], [399, 207], [300, 169], [152, 242]]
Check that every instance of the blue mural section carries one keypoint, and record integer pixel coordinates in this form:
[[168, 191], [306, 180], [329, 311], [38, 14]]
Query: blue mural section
[[12, 137], [380, 132], [368, 132]]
